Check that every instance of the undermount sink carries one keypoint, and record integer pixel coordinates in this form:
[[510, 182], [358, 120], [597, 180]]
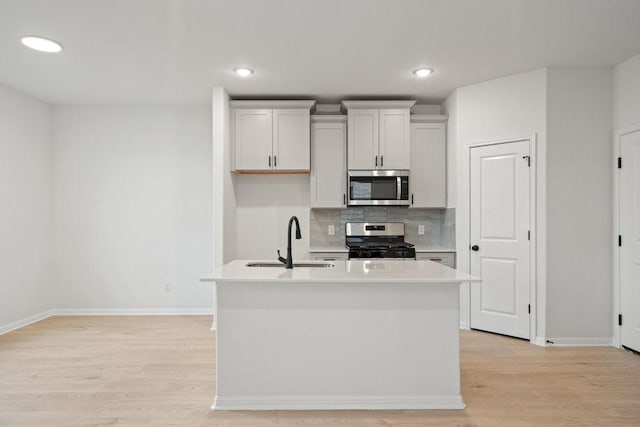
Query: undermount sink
[[295, 264]]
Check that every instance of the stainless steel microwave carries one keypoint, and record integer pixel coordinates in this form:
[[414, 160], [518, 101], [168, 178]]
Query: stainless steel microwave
[[378, 187]]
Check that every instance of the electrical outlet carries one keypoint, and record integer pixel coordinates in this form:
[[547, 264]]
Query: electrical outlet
[[421, 229], [331, 230], [167, 287]]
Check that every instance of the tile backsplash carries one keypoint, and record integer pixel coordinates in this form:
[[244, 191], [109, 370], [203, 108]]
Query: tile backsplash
[[439, 224]]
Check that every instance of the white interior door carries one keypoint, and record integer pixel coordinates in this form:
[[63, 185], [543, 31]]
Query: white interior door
[[499, 213], [630, 239]]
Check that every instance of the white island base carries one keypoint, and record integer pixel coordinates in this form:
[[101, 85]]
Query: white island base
[[356, 336]]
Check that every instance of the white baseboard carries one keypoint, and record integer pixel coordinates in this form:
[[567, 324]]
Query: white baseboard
[[579, 342], [464, 325], [269, 403], [541, 341], [132, 311], [104, 312], [25, 322]]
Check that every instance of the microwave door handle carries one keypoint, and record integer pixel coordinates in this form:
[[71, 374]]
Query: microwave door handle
[[399, 188]]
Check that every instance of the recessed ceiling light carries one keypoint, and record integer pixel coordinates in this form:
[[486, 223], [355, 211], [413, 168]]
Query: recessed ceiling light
[[41, 44], [243, 72], [423, 72]]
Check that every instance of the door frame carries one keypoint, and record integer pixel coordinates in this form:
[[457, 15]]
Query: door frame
[[533, 285], [617, 152]]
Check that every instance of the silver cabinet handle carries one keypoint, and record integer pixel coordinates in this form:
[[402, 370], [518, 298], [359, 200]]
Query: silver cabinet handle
[[344, 199], [376, 160], [275, 161], [435, 259], [269, 161], [381, 160]]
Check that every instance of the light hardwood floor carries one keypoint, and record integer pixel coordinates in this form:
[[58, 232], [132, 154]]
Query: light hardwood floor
[[157, 370]]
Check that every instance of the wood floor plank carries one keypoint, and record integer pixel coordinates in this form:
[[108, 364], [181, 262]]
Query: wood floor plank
[[160, 370]]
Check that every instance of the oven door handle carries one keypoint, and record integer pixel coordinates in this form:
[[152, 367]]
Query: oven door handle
[[398, 188]]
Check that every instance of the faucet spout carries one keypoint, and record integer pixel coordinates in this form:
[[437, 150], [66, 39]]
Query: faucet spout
[[289, 260]]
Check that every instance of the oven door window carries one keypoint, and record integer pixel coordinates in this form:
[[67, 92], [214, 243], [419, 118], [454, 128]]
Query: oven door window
[[373, 188]]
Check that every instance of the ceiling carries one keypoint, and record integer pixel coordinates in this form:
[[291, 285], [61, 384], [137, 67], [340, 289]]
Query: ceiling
[[174, 51]]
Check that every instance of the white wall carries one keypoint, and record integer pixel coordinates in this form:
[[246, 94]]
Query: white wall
[[264, 205], [132, 206], [509, 107], [579, 210], [450, 108], [25, 211], [252, 211], [627, 93], [224, 197]]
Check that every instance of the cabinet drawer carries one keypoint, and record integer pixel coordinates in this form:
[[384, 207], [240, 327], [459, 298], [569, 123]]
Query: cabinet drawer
[[446, 258], [329, 256]]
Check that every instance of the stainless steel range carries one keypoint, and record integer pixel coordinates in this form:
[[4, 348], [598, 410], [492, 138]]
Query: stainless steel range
[[377, 240]]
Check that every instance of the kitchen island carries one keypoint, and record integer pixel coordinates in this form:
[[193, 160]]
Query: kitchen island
[[362, 334]]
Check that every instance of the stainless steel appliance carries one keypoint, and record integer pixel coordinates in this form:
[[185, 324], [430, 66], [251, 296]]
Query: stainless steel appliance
[[377, 240], [378, 187]]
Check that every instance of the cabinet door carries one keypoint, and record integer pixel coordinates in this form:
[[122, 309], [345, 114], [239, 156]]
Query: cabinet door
[[362, 140], [253, 139], [330, 256], [291, 139], [394, 139], [446, 258], [328, 165], [428, 165]]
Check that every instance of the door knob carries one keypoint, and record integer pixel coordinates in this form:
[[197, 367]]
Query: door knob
[[475, 248]]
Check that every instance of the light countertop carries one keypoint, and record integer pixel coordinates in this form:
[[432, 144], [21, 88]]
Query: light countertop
[[352, 271]]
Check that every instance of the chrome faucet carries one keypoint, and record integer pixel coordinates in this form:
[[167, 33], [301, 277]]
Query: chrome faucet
[[288, 262]]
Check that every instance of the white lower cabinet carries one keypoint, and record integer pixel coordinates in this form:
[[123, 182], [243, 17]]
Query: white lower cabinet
[[330, 256], [446, 258]]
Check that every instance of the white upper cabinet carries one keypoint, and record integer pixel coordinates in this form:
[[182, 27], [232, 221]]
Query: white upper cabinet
[[253, 138], [428, 181], [271, 136], [291, 139], [363, 138], [394, 139], [378, 134], [328, 162]]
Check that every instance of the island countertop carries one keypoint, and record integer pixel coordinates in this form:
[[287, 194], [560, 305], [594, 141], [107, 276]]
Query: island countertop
[[352, 271]]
